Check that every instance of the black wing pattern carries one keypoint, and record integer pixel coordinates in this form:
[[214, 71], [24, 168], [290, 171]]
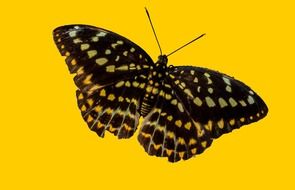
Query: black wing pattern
[[110, 73], [195, 106]]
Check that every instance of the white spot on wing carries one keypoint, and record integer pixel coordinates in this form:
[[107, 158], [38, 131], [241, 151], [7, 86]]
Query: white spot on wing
[[250, 100], [226, 80], [73, 33]]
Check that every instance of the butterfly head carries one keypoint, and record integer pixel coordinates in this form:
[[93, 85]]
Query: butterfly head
[[162, 60]]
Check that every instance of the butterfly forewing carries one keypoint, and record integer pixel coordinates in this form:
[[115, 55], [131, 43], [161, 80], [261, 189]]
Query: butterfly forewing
[[215, 98], [110, 74]]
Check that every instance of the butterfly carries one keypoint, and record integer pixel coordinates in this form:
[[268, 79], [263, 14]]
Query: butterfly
[[184, 108]]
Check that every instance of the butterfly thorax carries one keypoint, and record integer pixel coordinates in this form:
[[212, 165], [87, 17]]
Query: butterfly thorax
[[155, 80]]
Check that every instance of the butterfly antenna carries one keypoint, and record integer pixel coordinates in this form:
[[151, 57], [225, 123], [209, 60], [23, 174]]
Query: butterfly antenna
[[147, 12], [186, 44]]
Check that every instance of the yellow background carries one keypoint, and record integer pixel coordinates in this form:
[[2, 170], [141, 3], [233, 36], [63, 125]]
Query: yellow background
[[46, 144]]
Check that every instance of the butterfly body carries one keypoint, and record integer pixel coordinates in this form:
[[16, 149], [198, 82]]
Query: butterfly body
[[184, 107]]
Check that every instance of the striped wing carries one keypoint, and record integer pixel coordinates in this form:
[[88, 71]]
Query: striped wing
[[196, 106], [110, 73]]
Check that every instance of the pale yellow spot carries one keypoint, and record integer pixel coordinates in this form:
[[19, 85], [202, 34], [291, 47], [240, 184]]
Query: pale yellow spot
[[107, 51], [125, 53], [258, 114], [77, 40], [250, 100], [192, 142], [142, 85], [80, 97], [197, 101], [178, 123], [232, 122], [87, 80], [80, 71], [180, 107], [145, 135], [195, 80], [242, 119], [101, 61], [127, 127], [83, 108], [90, 102], [228, 88], [73, 62], [149, 88], [168, 96], [243, 103], [208, 126], [209, 102], [73, 33], [94, 39], [188, 125], [155, 91], [110, 68], [210, 90], [200, 131], [67, 54], [98, 109], [157, 146], [111, 97], [181, 154], [169, 152], [93, 88], [135, 84], [111, 128], [204, 144], [91, 53], [180, 140], [222, 102], [170, 135], [122, 68], [101, 34], [132, 50], [194, 150], [232, 102], [99, 125], [226, 80], [174, 102], [84, 47], [220, 123], [108, 111], [121, 99], [169, 118], [127, 84], [251, 117], [188, 92], [62, 46], [102, 93], [90, 118], [119, 84], [120, 42]]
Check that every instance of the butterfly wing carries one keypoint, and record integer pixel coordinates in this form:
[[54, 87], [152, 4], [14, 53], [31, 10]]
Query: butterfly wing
[[195, 106], [110, 73]]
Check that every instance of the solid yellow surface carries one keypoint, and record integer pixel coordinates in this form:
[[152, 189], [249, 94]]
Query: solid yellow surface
[[45, 144]]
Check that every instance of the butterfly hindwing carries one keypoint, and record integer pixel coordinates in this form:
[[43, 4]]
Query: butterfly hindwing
[[169, 131], [110, 73]]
